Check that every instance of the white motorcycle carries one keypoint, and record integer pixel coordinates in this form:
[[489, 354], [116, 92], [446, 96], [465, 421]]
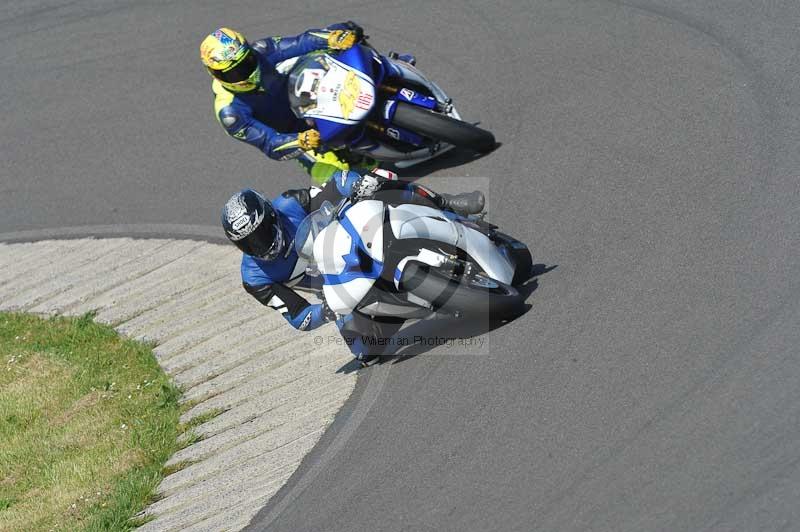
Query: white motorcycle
[[408, 261]]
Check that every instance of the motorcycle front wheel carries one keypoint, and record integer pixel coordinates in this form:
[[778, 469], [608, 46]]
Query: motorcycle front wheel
[[471, 296], [444, 128]]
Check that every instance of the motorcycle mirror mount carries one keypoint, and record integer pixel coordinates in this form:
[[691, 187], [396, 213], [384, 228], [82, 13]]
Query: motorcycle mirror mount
[[344, 202]]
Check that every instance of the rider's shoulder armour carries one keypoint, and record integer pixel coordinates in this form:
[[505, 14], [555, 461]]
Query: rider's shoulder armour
[[300, 195], [230, 118], [261, 46]]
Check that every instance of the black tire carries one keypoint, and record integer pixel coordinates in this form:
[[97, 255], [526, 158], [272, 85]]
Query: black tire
[[444, 128], [523, 263], [497, 302]]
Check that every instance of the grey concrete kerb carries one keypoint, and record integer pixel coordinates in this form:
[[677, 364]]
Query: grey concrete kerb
[[276, 390]]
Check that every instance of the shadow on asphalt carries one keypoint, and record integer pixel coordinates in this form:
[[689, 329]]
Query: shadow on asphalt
[[443, 330], [451, 159]]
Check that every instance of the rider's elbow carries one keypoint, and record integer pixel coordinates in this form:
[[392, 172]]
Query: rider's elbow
[[282, 148]]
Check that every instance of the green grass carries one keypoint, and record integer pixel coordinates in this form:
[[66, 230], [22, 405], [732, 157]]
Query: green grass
[[199, 419], [87, 421]]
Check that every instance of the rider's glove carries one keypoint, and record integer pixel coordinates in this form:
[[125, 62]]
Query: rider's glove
[[342, 39], [355, 28], [308, 140], [367, 186]]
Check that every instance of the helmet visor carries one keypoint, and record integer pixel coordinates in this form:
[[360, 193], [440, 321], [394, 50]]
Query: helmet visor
[[277, 245], [238, 72], [266, 242]]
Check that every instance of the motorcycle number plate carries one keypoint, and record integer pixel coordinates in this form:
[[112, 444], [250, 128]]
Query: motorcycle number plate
[[343, 94]]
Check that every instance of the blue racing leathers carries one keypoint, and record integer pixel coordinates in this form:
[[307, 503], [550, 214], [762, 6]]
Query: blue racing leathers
[[271, 282], [263, 118]]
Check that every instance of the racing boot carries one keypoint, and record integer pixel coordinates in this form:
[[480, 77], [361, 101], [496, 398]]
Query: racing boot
[[464, 204], [406, 58], [366, 361]]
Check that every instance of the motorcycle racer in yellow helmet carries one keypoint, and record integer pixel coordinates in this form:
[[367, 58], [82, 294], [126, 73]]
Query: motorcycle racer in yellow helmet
[[250, 96]]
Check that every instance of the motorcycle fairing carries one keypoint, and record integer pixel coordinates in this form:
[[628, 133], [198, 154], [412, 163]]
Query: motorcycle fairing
[[336, 93], [415, 98], [351, 253], [416, 221]]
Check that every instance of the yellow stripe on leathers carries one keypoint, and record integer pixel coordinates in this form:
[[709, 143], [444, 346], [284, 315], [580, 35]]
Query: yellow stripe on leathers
[[222, 98]]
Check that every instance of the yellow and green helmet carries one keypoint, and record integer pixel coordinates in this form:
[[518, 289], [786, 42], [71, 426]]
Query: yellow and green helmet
[[229, 58]]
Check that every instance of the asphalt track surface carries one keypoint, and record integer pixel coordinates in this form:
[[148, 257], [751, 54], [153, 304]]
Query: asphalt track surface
[[650, 150]]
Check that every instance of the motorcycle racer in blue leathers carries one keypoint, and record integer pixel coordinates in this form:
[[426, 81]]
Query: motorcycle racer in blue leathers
[[250, 96], [264, 231]]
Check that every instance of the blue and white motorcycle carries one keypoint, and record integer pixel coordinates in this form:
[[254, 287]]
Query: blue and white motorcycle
[[409, 261], [378, 107]]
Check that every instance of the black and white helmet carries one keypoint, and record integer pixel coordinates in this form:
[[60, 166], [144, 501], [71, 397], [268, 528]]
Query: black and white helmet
[[252, 225]]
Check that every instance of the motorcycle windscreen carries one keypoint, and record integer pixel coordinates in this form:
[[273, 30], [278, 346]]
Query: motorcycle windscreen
[[311, 226], [333, 94]]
